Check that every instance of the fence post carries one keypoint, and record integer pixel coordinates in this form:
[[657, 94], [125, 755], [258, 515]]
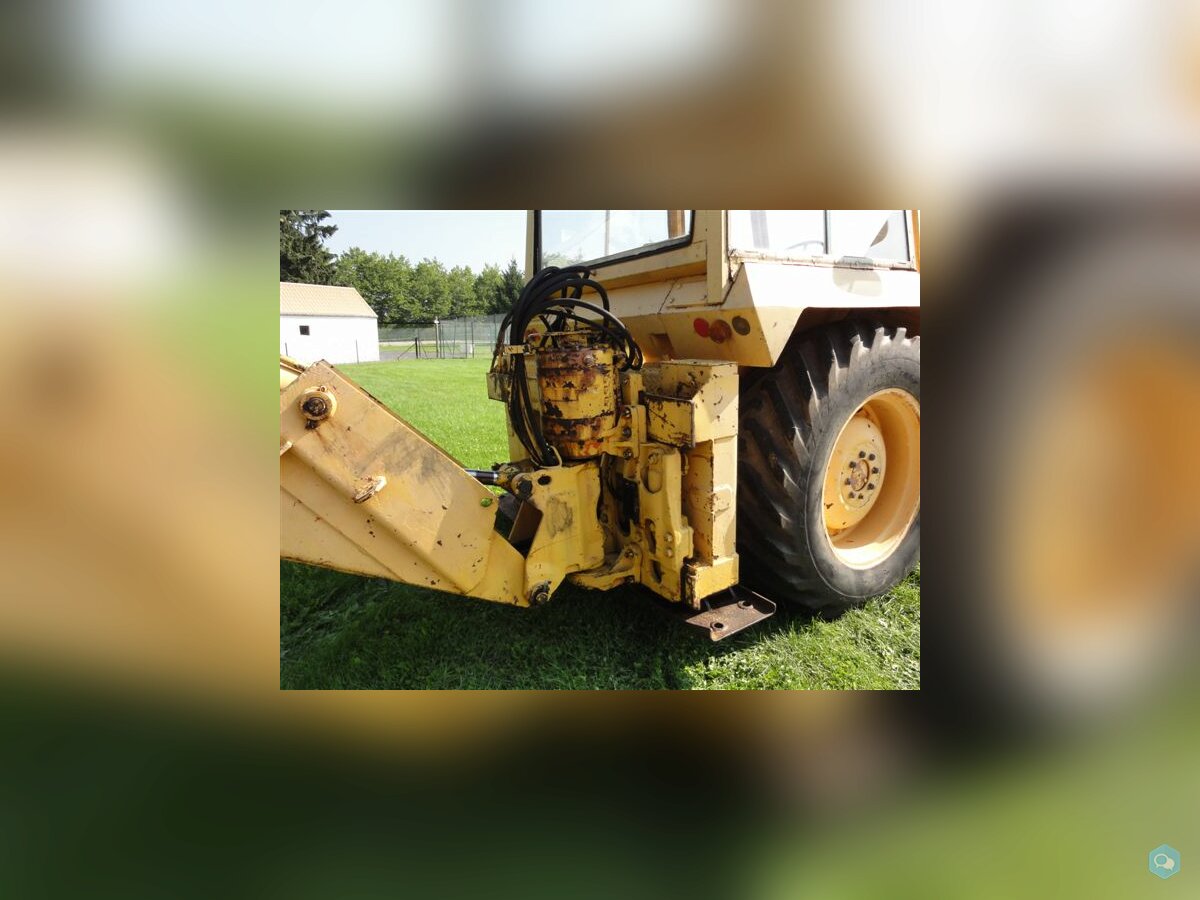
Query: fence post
[[357, 358], [472, 339], [417, 343]]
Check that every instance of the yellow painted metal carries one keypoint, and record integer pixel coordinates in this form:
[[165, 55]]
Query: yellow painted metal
[[674, 449], [694, 405], [691, 401], [660, 295], [916, 227], [568, 537], [710, 504], [855, 475], [872, 485], [677, 452], [363, 491], [288, 370]]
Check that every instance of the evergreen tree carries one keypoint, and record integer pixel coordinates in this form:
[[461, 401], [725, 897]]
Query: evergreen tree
[[513, 282], [303, 256]]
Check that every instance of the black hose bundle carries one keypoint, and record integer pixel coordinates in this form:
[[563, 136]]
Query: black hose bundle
[[565, 312]]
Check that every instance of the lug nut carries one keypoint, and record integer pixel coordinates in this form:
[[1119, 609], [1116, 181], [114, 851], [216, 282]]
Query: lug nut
[[848, 481], [871, 457], [875, 470], [862, 454], [870, 487]]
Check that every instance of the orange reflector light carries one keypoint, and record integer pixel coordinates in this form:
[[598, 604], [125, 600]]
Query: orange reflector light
[[720, 331], [701, 327]]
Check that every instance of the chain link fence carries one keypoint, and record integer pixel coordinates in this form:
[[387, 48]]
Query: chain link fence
[[441, 339]]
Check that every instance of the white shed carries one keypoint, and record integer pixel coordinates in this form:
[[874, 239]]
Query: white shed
[[319, 321]]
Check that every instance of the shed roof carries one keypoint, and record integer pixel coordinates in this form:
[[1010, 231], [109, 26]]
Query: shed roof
[[321, 300]]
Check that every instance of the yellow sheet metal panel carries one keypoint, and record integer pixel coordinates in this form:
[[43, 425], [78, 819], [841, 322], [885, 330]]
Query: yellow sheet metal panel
[[306, 536], [771, 295], [689, 401], [386, 490]]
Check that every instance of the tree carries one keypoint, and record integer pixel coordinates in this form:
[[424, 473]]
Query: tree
[[488, 286], [430, 290], [383, 281], [460, 284], [513, 280], [303, 256]]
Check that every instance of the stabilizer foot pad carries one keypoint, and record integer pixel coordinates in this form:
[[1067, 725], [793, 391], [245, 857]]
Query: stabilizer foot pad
[[733, 611]]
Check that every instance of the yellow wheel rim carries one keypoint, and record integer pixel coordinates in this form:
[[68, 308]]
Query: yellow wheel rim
[[872, 488]]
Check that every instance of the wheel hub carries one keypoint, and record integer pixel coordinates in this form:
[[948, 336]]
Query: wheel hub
[[855, 475]]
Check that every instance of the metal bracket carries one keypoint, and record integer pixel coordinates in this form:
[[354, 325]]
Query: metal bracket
[[737, 610]]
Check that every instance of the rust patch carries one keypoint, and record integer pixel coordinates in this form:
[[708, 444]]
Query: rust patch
[[573, 381]]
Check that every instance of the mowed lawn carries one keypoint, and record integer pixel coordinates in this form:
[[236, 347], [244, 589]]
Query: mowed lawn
[[346, 631]]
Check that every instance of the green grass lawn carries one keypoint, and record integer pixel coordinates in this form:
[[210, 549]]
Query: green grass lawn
[[346, 631]]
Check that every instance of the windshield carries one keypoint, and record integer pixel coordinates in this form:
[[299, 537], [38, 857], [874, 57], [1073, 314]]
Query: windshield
[[880, 234], [571, 236]]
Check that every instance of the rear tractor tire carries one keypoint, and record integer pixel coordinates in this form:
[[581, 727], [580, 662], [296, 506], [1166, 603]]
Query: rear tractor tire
[[829, 482]]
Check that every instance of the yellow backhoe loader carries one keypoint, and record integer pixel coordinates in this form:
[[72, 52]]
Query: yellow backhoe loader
[[720, 405]]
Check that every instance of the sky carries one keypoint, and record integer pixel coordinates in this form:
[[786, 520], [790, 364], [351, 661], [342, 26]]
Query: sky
[[457, 237]]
